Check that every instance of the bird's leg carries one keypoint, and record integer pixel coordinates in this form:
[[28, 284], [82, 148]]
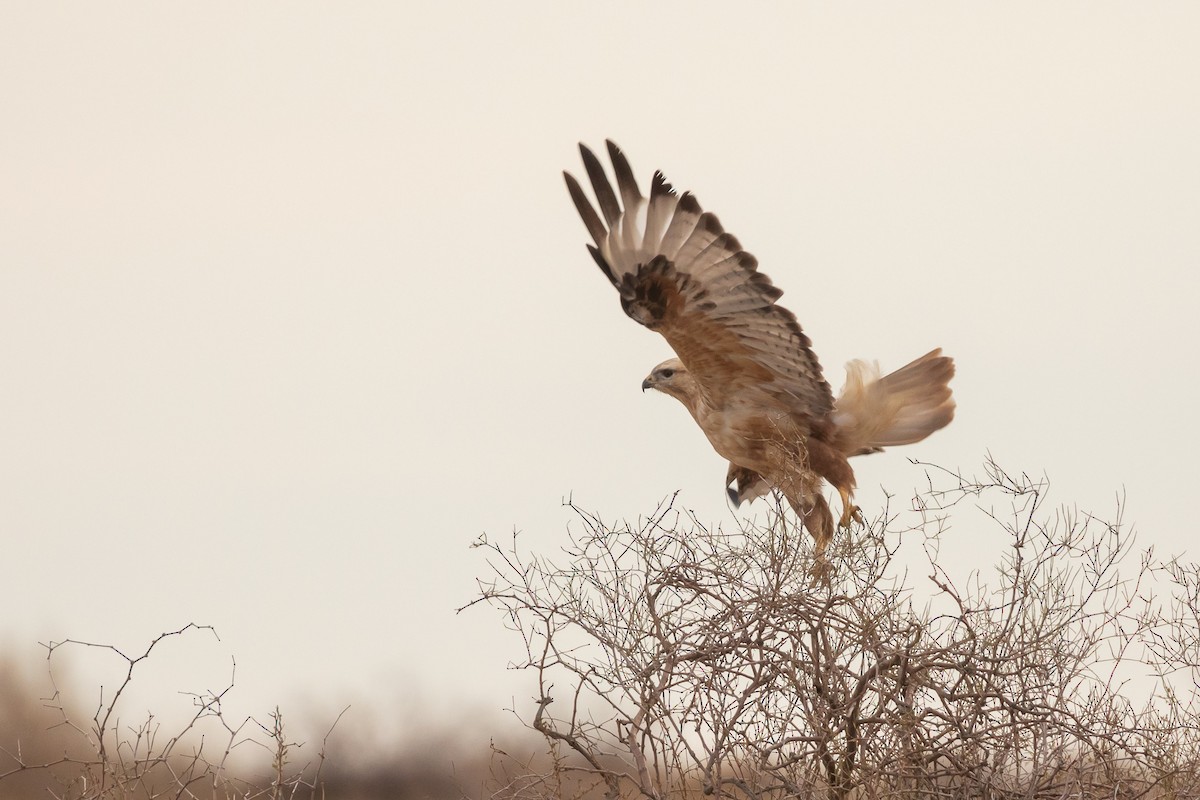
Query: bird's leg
[[849, 510], [816, 517], [819, 521]]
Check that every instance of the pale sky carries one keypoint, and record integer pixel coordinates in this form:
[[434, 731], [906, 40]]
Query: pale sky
[[294, 304]]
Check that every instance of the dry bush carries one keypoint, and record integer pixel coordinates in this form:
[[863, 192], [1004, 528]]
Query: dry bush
[[56, 741], [674, 660], [52, 749]]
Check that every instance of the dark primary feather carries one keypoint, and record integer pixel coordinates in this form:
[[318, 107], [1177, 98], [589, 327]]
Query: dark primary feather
[[657, 214], [600, 185], [591, 219], [631, 195]]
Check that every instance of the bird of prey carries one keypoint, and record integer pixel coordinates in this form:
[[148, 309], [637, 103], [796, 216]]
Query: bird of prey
[[745, 370]]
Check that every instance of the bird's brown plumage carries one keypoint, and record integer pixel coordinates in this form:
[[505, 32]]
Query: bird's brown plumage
[[745, 369]]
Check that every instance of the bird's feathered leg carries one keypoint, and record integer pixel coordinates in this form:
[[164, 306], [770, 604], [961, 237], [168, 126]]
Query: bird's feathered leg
[[810, 506], [832, 465], [819, 521]]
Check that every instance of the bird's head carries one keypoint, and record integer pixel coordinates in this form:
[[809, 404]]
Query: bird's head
[[671, 377]]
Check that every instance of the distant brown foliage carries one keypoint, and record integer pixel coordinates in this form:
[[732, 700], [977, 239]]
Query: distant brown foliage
[[674, 660], [71, 740], [50, 748]]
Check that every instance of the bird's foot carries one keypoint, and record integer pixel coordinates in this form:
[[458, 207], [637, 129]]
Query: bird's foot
[[851, 513]]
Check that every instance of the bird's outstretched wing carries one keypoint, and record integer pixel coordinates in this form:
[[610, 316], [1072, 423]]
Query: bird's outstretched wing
[[679, 273]]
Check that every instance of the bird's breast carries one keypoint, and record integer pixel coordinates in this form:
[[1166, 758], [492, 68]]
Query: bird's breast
[[755, 440]]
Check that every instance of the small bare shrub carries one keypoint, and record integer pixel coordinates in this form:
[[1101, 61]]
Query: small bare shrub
[[105, 758]]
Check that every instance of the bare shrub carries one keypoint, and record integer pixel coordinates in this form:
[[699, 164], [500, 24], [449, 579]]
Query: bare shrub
[[59, 741], [675, 660], [106, 758]]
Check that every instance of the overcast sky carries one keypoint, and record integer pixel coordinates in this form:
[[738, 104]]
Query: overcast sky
[[294, 304]]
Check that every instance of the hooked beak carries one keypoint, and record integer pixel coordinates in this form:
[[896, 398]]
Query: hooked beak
[[646, 384]]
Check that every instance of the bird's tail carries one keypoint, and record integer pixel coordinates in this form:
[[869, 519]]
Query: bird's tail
[[900, 408]]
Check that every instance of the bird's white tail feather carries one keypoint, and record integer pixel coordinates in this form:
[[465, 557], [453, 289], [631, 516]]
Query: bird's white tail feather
[[900, 408]]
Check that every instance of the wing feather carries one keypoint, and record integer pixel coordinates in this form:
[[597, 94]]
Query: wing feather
[[729, 273], [687, 214], [658, 213], [714, 262], [591, 220], [684, 276], [707, 229], [600, 185], [631, 195]]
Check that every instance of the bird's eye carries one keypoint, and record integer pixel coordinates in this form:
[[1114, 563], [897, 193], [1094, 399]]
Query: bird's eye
[[666, 373]]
